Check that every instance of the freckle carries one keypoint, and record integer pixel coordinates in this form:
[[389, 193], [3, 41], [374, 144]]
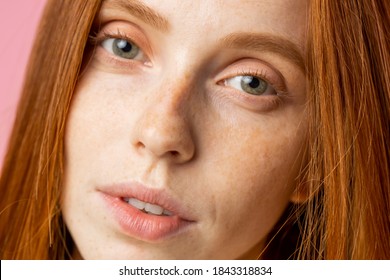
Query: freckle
[[187, 75]]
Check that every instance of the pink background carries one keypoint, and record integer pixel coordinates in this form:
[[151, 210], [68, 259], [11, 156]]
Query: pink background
[[18, 22]]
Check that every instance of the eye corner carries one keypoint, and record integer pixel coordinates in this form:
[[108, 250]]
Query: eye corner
[[220, 82]]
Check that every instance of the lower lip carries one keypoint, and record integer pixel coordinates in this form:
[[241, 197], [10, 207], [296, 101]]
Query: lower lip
[[142, 226]]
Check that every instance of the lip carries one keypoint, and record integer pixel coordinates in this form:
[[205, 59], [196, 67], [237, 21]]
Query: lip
[[138, 224]]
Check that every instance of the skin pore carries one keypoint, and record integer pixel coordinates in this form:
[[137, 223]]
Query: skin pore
[[198, 104]]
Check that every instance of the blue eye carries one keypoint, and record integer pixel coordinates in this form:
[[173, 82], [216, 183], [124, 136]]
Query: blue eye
[[122, 48], [251, 84]]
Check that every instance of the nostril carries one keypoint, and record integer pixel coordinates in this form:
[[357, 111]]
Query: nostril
[[174, 153], [140, 145]]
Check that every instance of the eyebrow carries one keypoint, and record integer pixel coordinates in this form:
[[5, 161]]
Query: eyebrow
[[266, 43], [141, 11]]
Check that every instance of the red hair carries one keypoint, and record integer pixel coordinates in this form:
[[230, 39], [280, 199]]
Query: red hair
[[346, 179]]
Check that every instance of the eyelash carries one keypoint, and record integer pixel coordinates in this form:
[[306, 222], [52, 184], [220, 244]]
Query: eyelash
[[97, 40], [279, 88], [274, 100], [261, 102]]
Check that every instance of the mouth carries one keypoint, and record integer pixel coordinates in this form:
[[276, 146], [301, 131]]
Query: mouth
[[148, 208], [146, 214]]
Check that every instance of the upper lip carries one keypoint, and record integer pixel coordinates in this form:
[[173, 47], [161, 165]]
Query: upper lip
[[139, 191]]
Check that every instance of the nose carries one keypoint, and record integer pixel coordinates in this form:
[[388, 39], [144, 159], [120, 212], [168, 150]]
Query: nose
[[164, 128]]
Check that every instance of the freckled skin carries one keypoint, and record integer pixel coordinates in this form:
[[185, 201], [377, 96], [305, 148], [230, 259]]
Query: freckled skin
[[234, 168]]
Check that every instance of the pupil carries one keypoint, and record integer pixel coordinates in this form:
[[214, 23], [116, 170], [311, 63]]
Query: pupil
[[124, 46], [254, 83]]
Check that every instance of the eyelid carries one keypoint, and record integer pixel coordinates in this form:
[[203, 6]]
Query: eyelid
[[254, 67], [125, 31], [236, 83], [108, 45]]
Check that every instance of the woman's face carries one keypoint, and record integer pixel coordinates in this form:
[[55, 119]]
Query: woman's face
[[185, 133]]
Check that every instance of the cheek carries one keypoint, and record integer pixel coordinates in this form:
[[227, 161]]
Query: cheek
[[97, 128], [263, 158], [254, 169]]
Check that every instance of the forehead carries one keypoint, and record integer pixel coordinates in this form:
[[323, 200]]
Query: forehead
[[287, 18]]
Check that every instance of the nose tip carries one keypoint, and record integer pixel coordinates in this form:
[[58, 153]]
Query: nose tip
[[165, 136], [164, 128]]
